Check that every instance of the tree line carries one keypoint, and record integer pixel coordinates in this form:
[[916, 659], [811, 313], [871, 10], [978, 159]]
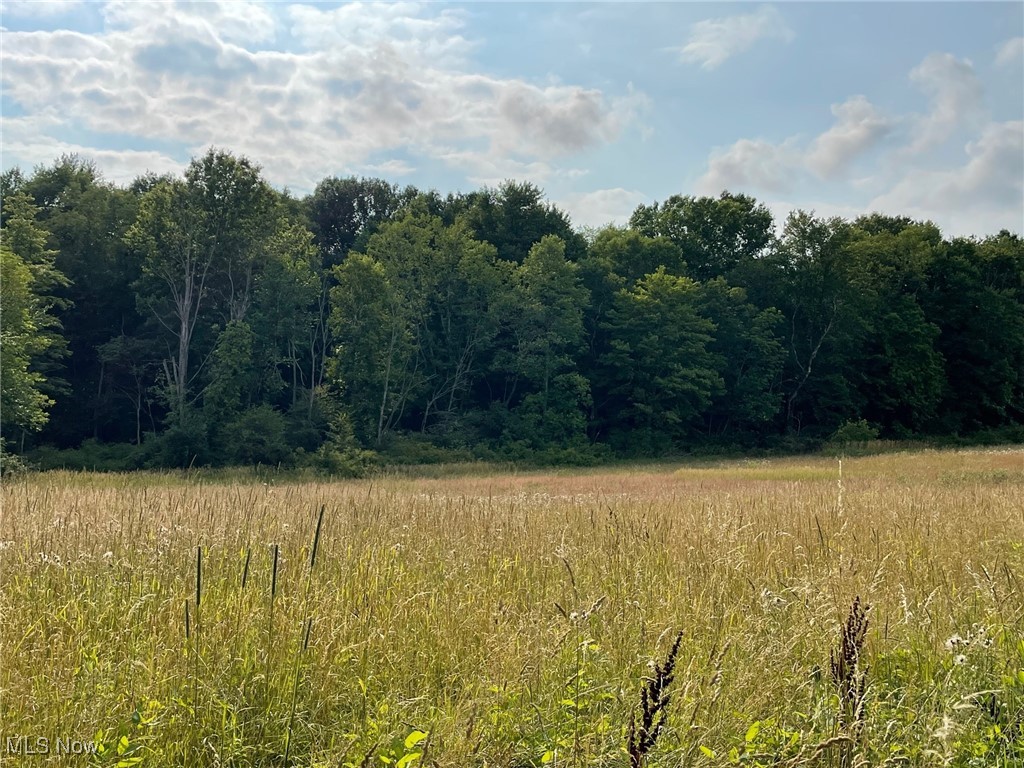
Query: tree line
[[211, 319]]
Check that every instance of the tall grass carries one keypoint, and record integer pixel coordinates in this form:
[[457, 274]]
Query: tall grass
[[510, 620]]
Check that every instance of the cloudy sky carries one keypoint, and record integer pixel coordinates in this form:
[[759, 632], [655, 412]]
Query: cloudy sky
[[911, 108]]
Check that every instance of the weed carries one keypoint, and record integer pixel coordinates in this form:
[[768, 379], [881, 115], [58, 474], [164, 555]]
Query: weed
[[653, 708]]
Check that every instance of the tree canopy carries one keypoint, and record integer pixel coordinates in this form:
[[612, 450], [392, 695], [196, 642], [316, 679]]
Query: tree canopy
[[209, 318]]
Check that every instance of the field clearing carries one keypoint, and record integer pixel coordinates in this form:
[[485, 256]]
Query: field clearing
[[509, 620]]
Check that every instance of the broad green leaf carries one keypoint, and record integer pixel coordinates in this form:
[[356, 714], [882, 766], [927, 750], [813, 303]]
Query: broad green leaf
[[752, 731], [415, 738]]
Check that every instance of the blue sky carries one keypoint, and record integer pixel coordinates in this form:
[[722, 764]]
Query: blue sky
[[841, 108]]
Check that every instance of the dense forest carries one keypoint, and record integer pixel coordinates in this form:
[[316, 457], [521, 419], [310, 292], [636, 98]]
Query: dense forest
[[211, 319]]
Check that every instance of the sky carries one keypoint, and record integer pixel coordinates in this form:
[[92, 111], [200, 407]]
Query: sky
[[838, 108]]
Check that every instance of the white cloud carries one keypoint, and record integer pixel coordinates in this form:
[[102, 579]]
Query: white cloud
[[368, 80], [859, 126], [956, 97], [713, 41], [776, 167], [751, 163], [26, 138], [1010, 52], [983, 195], [389, 168], [37, 8], [602, 206], [235, 21]]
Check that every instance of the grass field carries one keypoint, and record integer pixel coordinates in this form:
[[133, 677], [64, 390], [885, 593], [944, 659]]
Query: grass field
[[511, 619]]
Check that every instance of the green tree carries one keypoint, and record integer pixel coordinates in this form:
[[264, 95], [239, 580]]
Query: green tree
[[130, 363], [514, 217], [658, 373], [200, 241], [344, 213], [86, 219], [974, 297], [749, 356], [232, 375], [32, 344], [549, 298], [716, 235], [23, 405], [287, 314], [371, 325], [461, 320], [901, 374], [807, 277]]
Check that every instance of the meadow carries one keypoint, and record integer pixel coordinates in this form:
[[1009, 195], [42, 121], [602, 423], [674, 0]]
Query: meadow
[[513, 619]]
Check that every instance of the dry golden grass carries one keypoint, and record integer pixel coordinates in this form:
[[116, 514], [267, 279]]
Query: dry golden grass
[[509, 619]]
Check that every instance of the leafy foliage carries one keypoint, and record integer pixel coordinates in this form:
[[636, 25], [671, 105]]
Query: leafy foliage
[[483, 324]]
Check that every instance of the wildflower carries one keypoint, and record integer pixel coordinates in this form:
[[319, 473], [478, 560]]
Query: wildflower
[[955, 642], [960, 659]]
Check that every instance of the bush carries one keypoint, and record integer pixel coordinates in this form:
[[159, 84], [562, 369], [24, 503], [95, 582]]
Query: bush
[[420, 449], [335, 462], [578, 454], [10, 463], [258, 436], [854, 432], [184, 444], [91, 455]]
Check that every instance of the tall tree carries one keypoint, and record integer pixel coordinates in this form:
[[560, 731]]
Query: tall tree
[[807, 278], [515, 216], [659, 375], [343, 213], [31, 344], [900, 374], [545, 321], [23, 404], [974, 297], [199, 240], [370, 321], [749, 357], [716, 235], [86, 220], [287, 310]]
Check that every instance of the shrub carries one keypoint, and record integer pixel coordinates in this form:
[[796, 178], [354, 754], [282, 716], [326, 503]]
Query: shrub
[[183, 444], [420, 449], [854, 432], [258, 436], [10, 463], [336, 462], [91, 455]]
